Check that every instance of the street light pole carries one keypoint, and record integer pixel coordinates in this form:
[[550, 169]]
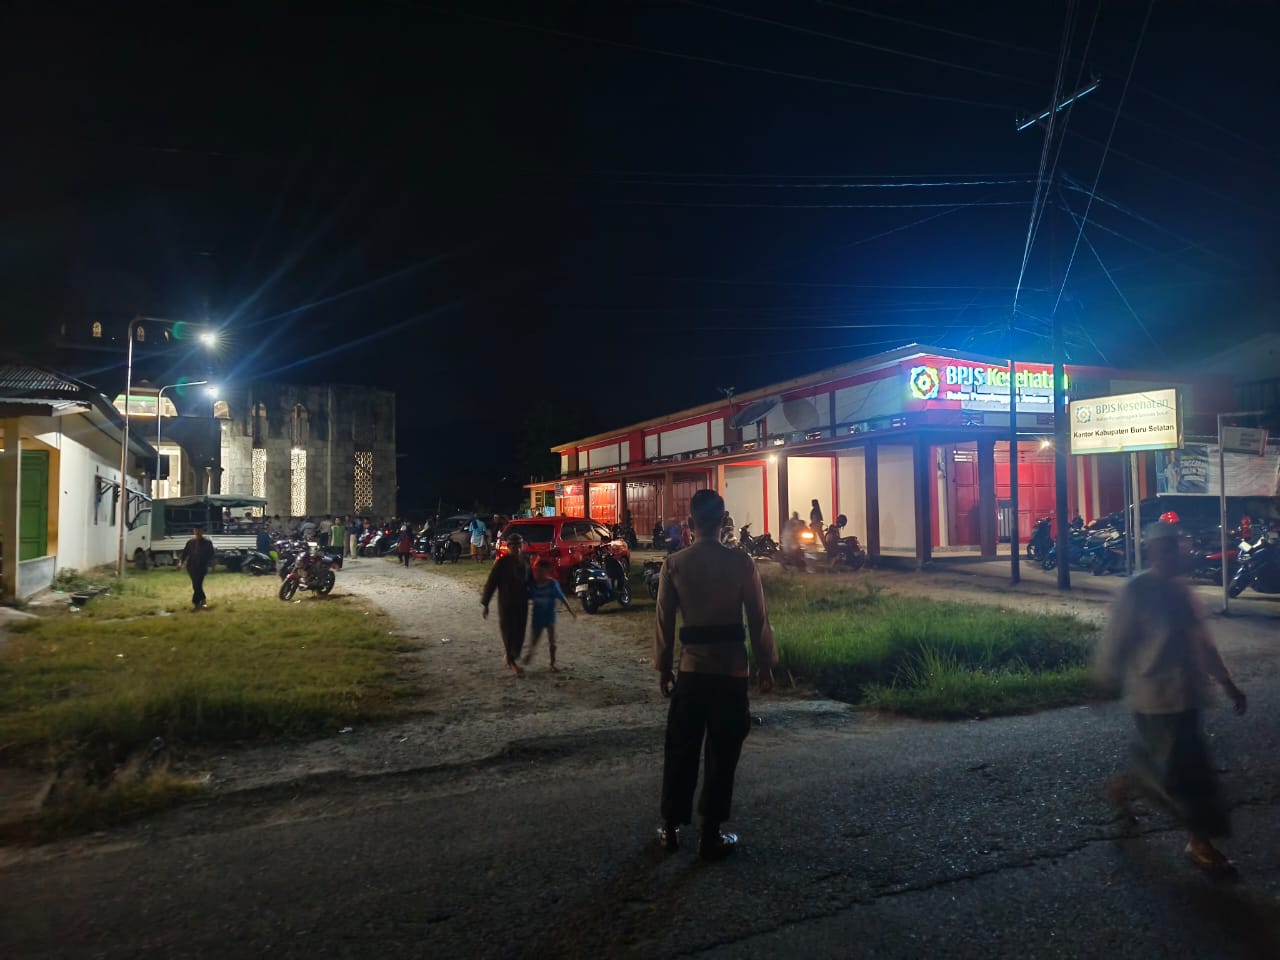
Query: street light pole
[[209, 339], [123, 513], [160, 422]]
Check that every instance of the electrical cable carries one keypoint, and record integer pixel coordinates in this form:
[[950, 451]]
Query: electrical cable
[[1041, 192], [713, 61], [936, 29], [856, 43], [818, 206], [1115, 286], [1115, 120], [824, 186]]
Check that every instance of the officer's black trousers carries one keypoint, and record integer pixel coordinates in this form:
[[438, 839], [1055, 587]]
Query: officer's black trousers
[[711, 706]]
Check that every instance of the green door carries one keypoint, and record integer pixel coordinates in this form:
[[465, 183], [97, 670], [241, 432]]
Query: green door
[[33, 507]]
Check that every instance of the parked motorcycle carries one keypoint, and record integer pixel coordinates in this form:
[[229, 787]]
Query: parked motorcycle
[[312, 571], [1080, 551], [843, 551], [652, 573], [258, 564], [626, 533], [761, 546], [601, 579], [446, 548], [1203, 560], [1109, 554], [1259, 566], [1041, 541]]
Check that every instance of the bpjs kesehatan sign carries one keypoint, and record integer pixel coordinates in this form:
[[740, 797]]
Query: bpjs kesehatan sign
[[1126, 422], [938, 383]]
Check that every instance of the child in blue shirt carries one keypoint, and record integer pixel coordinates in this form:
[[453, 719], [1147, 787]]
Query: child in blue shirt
[[545, 592]]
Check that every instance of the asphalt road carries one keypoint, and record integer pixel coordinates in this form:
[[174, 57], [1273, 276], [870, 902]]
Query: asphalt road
[[861, 838]]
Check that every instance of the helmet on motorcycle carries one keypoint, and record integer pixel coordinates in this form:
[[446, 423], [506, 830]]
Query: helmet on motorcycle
[[1169, 516]]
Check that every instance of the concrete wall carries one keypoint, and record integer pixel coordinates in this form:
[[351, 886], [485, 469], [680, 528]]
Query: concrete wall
[[340, 421], [897, 499], [852, 487], [81, 534], [809, 478], [744, 497]]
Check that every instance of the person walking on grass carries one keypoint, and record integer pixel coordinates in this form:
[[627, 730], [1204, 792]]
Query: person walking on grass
[[1157, 652], [509, 578], [710, 585], [545, 592], [196, 558]]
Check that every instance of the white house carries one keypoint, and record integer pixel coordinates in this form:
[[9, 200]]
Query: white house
[[60, 477]]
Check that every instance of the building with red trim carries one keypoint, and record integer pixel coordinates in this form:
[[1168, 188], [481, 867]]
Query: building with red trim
[[911, 445]]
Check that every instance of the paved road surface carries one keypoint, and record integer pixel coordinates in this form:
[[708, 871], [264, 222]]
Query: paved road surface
[[862, 837]]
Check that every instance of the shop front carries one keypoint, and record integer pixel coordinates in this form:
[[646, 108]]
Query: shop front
[[912, 447]]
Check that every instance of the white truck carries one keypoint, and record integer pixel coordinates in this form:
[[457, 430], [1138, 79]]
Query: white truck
[[160, 531]]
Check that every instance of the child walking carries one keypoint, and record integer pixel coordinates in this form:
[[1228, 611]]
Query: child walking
[[545, 592]]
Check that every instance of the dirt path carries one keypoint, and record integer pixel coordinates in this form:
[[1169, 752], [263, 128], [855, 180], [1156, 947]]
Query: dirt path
[[471, 707]]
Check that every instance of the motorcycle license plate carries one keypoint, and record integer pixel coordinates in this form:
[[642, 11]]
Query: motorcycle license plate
[[581, 590]]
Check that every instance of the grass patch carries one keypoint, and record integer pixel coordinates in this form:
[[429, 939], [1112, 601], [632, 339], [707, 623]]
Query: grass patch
[[925, 657], [94, 686]]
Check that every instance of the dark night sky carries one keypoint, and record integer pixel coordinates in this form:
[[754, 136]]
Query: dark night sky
[[550, 218]]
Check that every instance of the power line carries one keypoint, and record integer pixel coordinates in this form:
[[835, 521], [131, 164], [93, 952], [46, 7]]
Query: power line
[[1115, 120], [856, 43], [1041, 191], [715, 61], [1110, 279], [819, 206], [935, 29], [886, 185]]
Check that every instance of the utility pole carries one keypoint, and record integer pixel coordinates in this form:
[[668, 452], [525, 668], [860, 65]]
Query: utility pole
[[1061, 430]]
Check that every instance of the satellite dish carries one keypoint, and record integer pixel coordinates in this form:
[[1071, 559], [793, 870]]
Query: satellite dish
[[802, 414], [755, 412]]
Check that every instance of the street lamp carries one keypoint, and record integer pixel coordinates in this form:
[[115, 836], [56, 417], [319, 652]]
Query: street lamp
[[208, 338], [210, 389]]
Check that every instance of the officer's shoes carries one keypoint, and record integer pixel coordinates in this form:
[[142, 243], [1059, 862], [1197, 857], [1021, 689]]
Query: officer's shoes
[[715, 845], [669, 837]]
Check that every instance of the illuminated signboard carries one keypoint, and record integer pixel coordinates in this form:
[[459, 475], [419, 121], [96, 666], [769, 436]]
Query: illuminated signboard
[[1126, 422], [941, 383]]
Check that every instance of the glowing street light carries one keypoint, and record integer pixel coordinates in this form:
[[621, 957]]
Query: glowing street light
[[209, 389], [179, 329]]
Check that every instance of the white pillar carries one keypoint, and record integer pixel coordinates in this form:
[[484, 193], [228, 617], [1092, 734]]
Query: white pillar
[[10, 494]]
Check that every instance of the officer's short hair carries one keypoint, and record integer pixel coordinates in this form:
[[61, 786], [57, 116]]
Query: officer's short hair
[[706, 509]]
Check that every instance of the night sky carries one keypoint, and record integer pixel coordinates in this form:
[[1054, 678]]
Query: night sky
[[533, 221]]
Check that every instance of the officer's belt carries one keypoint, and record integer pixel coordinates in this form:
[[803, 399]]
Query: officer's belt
[[715, 633]]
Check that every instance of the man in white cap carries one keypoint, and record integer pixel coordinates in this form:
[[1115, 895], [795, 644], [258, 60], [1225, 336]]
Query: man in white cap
[[1157, 651]]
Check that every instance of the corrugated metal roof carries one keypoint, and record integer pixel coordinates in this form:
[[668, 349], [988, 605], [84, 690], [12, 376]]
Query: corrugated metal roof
[[56, 406], [19, 378]]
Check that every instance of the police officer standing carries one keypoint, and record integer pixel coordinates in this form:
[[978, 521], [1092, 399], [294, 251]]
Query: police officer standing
[[711, 585]]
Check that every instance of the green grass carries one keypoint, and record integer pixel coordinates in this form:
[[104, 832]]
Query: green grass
[[856, 642], [95, 685]]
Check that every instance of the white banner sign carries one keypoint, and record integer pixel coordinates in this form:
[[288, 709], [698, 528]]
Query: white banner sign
[[1126, 423]]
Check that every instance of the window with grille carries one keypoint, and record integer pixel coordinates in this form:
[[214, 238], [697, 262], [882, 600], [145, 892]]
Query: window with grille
[[364, 481], [259, 472], [298, 482]]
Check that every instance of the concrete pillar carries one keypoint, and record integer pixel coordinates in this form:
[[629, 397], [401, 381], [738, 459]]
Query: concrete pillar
[[922, 481], [871, 480], [586, 499], [987, 496], [623, 509], [666, 505], [784, 494], [10, 494]]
